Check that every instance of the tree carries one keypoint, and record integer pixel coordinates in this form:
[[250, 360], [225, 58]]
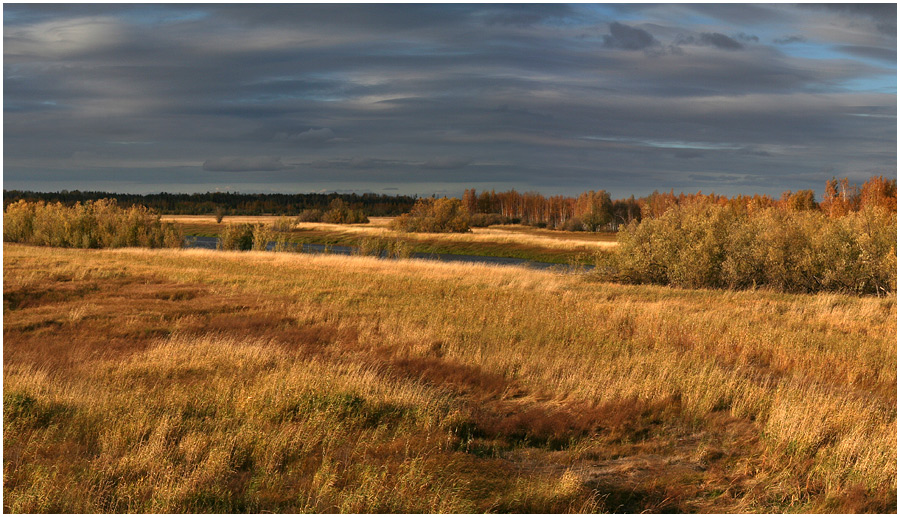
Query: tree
[[470, 202], [594, 209], [799, 201], [431, 215]]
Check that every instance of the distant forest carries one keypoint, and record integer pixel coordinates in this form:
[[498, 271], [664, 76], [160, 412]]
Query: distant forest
[[231, 203], [591, 210]]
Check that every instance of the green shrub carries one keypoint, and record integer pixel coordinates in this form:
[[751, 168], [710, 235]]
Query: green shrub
[[94, 224], [430, 215]]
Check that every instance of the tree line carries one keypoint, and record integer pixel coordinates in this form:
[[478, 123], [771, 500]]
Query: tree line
[[596, 210], [227, 203]]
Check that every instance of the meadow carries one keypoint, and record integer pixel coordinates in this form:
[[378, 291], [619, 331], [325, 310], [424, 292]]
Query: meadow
[[515, 241], [170, 380]]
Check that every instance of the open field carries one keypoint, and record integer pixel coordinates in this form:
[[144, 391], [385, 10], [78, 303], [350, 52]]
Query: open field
[[190, 380], [516, 241]]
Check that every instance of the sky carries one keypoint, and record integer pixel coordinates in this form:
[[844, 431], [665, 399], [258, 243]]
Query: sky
[[436, 98]]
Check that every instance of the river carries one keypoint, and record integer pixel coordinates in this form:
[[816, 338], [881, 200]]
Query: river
[[210, 243]]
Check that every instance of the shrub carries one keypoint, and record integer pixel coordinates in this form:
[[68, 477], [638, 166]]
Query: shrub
[[220, 214], [310, 215], [282, 224], [430, 215], [384, 247], [484, 220], [341, 213], [236, 237], [94, 224], [573, 225], [262, 234], [371, 246], [281, 242], [704, 245], [399, 248]]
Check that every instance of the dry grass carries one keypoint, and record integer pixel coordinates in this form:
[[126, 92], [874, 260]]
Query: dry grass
[[139, 380], [378, 227]]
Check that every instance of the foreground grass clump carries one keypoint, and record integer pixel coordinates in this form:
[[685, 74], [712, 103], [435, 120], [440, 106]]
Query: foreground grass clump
[[94, 224], [149, 381], [704, 245]]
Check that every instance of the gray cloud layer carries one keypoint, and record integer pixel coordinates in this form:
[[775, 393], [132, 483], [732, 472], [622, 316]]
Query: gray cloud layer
[[426, 98]]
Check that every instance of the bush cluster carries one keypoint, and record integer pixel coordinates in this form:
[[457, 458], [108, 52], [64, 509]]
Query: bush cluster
[[310, 215], [703, 245], [94, 224], [247, 236], [431, 215], [338, 212], [382, 247], [485, 220]]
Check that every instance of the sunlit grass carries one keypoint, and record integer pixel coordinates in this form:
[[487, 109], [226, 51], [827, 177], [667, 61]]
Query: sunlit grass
[[172, 381]]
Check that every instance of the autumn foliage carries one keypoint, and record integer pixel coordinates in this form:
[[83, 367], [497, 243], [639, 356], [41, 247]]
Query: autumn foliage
[[705, 245], [431, 215], [93, 224]]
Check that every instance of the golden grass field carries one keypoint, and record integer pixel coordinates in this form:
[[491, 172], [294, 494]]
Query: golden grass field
[[197, 381]]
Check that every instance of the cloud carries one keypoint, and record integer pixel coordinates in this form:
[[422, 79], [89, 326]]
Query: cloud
[[687, 153], [238, 164], [527, 15], [628, 38], [710, 39], [886, 54], [883, 15], [410, 89], [321, 135], [446, 163], [786, 40], [365, 163]]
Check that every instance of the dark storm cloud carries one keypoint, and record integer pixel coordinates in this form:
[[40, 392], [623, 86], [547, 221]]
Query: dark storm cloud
[[237, 164], [786, 40], [526, 15], [623, 37], [883, 15], [442, 97], [446, 163], [309, 136], [711, 39]]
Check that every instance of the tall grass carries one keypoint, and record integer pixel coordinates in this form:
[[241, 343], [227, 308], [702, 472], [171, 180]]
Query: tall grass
[[94, 224], [703, 245], [285, 382]]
